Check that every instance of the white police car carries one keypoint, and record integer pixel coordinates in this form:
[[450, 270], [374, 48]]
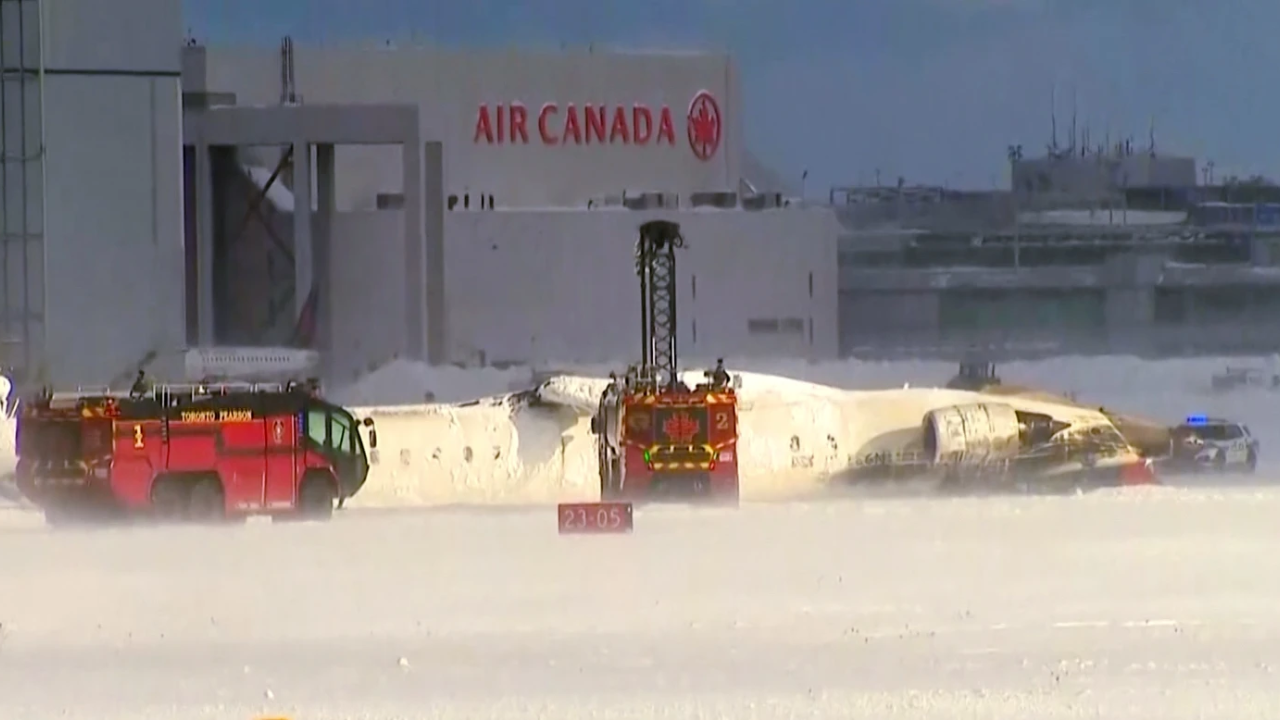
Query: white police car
[[1212, 444]]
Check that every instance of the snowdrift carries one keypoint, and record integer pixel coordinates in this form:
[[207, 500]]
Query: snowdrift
[[536, 446]]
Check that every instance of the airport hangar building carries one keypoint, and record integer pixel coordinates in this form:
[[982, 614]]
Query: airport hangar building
[[514, 240], [466, 206]]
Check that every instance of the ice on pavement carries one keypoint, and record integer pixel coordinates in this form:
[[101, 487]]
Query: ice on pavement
[[1155, 603]]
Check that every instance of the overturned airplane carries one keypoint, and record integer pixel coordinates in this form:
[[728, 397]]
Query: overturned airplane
[[795, 438]]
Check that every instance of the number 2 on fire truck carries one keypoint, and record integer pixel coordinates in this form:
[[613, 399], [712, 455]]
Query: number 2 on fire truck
[[137, 437], [722, 420]]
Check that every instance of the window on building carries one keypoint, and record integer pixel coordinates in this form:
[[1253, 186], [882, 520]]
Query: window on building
[[791, 326], [774, 326]]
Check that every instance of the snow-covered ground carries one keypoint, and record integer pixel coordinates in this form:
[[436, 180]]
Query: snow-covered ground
[[1139, 604]]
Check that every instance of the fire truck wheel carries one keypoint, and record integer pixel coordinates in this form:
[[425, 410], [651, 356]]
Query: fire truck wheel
[[169, 498], [316, 498], [207, 502]]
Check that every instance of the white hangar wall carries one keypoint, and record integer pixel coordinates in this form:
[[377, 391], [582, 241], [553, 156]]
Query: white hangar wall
[[560, 286], [109, 203], [450, 87]]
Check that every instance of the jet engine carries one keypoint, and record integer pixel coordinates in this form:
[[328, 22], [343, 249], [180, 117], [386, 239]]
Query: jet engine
[[984, 433], [971, 434]]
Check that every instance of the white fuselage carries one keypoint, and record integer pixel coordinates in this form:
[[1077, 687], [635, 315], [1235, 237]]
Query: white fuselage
[[793, 437]]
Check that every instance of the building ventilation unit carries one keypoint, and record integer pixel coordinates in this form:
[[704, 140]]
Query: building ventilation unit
[[722, 200], [651, 201]]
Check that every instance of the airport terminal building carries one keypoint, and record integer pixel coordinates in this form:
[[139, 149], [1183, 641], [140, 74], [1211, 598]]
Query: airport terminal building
[[1099, 250]]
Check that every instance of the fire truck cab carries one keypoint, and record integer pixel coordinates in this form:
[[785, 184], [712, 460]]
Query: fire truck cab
[[190, 452], [659, 443]]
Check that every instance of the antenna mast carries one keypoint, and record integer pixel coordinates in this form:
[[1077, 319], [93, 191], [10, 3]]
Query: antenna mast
[[1073, 120], [1053, 119]]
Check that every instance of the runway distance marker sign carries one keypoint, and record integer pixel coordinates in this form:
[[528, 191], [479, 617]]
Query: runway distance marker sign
[[599, 518]]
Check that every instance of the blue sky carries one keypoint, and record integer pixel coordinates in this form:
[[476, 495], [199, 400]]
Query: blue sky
[[932, 90]]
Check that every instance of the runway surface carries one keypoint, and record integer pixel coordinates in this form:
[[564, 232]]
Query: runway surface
[[1127, 604]]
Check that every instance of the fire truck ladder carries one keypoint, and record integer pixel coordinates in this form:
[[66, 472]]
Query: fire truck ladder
[[656, 266]]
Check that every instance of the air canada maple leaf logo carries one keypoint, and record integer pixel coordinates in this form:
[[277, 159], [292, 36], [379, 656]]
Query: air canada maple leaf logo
[[680, 428], [704, 125]]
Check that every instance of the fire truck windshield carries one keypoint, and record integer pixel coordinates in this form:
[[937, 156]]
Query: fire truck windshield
[[332, 427], [335, 433]]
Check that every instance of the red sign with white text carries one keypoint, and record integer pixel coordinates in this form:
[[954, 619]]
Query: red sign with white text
[[590, 124], [602, 518]]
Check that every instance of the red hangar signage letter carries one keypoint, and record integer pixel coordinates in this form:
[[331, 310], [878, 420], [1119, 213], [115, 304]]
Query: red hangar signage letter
[[590, 124]]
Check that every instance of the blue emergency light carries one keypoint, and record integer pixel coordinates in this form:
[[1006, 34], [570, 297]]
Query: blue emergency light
[[1197, 420]]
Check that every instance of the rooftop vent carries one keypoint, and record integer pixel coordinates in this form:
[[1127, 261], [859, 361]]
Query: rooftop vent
[[723, 200]]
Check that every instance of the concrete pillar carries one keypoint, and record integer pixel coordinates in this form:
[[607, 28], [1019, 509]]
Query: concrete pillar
[[326, 199], [438, 348], [205, 243], [415, 269], [1260, 252], [303, 257]]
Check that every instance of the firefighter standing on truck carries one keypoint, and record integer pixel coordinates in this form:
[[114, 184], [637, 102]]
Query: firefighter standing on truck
[[720, 376], [140, 385]]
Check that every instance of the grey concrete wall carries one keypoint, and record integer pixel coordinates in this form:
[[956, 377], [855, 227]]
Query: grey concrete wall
[[450, 86], [869, 317], [896, 312], [113, 207], [553, 286], [367, 291]]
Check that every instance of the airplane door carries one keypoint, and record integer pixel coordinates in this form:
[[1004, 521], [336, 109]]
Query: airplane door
[[280, 448]]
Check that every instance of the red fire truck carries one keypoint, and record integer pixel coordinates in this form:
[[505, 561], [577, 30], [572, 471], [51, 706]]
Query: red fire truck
[[678, 444], [190, 452], [656, 437]]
